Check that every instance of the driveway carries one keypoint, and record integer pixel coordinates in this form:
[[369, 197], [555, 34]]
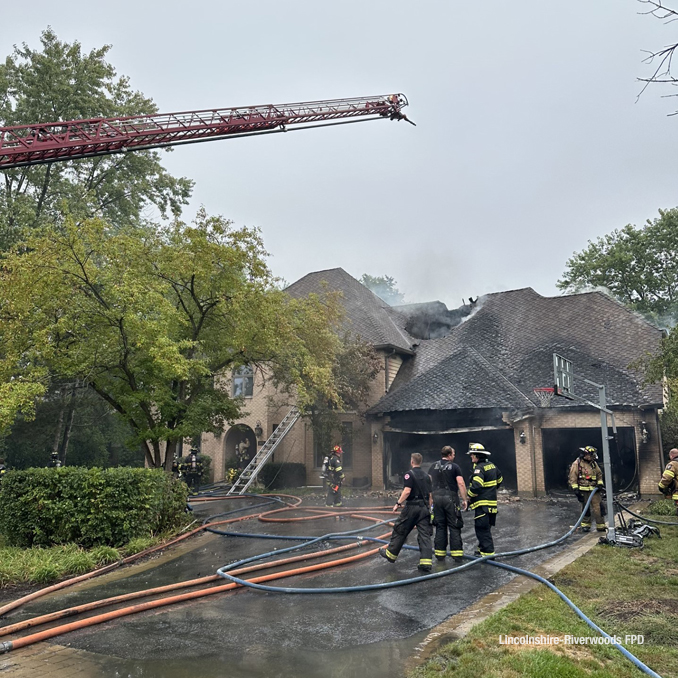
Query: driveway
[[259, 634]]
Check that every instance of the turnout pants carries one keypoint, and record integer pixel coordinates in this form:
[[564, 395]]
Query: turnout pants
[[448, 522], [333, 498], [414, 514], [594, 509], [485, 519]]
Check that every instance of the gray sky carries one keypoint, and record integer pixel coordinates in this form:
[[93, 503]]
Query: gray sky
[[529, 140]]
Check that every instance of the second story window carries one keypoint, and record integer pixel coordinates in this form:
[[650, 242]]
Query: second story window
[[243, 382]]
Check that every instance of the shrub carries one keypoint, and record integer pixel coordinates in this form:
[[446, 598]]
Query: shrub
[[275, 476], [88, 506]]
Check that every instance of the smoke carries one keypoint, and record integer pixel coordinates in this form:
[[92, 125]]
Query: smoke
[[433, 320]]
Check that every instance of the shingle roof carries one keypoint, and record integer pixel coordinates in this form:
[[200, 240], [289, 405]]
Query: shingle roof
[[499, 354], [367, 316]]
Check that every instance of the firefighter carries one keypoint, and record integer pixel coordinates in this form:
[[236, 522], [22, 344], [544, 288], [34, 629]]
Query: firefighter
[[335, 477], [3, 469], [668, 485], [448, 485], [54, 461], [585, 476], [416, 502], [482, 493], [190, 470]]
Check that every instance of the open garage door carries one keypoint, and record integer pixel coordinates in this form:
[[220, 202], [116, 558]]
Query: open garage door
[[399, 447], [560, 448]]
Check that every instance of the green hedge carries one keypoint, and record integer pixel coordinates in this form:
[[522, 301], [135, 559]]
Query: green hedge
[[88, 506], [276, 476]]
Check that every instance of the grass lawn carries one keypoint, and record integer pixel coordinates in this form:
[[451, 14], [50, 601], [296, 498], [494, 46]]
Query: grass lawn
[[624, 591], [20, 567]]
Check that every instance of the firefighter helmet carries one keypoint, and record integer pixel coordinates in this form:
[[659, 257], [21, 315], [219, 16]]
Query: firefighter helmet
[[477, 448], [583, 451], [337, 450]]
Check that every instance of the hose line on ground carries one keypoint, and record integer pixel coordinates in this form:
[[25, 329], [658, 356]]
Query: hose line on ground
[[403, 582], [256, 582], [645, 518]]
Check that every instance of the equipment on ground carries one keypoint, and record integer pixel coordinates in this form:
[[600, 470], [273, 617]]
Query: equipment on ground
[[46, 142], [631, 534]]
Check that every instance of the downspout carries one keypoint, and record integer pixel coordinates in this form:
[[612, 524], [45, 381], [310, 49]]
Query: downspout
[[533, 459]]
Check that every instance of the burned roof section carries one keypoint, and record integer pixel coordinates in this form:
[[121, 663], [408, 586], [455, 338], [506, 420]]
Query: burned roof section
[[504, 349], [367, 316], [432, 320]]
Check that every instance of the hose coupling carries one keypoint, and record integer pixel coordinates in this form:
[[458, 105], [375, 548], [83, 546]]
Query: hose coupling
[[6, 646]]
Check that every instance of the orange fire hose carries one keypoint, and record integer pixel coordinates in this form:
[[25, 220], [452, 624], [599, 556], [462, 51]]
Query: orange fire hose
[[86, 607], [129, 559], [154, 604]]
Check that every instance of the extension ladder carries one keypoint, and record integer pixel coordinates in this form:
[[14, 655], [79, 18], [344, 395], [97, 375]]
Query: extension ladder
[[246, 478]]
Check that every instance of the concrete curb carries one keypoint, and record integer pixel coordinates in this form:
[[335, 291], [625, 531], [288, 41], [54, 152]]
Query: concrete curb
[[458, 625]]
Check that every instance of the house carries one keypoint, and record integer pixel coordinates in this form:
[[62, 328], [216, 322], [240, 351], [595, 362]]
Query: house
[[451, 377]]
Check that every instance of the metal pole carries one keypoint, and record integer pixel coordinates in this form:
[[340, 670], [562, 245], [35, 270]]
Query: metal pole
[[607, 466]]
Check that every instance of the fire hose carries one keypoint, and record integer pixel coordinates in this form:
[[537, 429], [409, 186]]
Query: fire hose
[[256, 583]]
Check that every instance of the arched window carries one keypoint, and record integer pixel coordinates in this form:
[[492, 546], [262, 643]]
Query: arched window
[[243, 382]]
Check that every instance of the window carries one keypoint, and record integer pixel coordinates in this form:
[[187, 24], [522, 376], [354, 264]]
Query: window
[[243, 382]]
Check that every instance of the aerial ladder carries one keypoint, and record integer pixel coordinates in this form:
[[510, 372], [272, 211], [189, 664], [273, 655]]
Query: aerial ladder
[[40, 143]]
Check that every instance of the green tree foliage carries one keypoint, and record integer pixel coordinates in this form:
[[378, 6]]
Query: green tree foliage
[[62, 82], [638, 266], [354, 369], [384, 286], [151, 319], [87, 432]]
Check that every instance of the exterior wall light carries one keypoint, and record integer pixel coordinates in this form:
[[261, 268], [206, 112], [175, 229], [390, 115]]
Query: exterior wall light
[[522, 437], [258, 431], [644, 433], [375, 438]]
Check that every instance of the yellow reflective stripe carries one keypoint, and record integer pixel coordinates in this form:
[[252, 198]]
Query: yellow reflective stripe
[[337, 468], [586, 488], [500, 479], [440, 553], [426, 561], [482, 553], [600, 482], [470, 493], [669, 473], [390, 555], [575, 487], [456, 554], [484, 502]]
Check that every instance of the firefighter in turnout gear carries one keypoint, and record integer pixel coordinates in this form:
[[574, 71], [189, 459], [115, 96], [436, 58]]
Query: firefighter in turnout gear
[[448, 484], [585, 476], [335, 477], [482, 493], [191, 469], [415, 500], [668, 485]]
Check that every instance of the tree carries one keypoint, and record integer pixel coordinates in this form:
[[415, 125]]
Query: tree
[[354, 368], [638, 266], [151, 320], [384, 286], [661, 60], [61, 82]]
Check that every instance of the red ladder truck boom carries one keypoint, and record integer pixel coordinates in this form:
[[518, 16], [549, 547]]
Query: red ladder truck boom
[[25, 145]]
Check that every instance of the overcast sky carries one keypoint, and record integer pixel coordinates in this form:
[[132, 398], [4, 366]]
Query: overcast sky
[[529, 139]]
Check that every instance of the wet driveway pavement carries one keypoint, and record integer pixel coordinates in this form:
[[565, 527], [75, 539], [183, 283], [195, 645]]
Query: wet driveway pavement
[[261, 634]]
